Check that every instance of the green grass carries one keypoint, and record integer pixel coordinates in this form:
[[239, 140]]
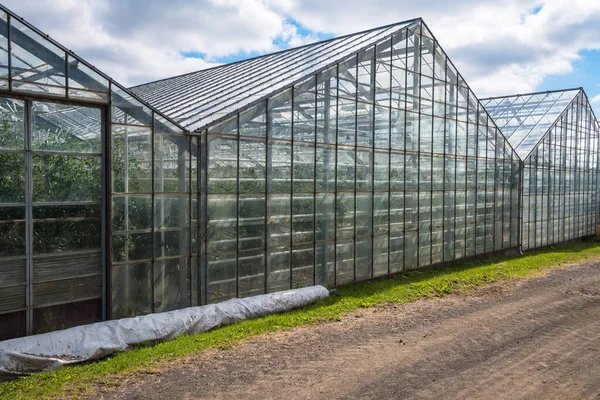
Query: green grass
[[460, 276]]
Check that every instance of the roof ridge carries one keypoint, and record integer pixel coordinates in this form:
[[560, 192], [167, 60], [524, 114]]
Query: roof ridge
[[531, 93]]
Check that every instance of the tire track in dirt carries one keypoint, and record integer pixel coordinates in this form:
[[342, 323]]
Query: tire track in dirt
[[534, 339]]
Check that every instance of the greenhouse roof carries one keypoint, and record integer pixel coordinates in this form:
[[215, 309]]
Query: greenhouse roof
[[200, 98], [524, 119]]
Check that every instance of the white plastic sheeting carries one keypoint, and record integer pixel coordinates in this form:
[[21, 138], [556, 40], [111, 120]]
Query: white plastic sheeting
[[50, 351]]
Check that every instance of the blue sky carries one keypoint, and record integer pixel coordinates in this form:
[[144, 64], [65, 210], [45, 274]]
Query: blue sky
[[500, 46], [586, 74]]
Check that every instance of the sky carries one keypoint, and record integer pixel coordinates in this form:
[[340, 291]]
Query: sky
[[501, 47]]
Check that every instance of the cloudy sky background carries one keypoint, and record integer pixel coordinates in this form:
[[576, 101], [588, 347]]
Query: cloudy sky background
[[499, 46]]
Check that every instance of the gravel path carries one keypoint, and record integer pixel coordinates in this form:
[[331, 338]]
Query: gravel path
[[528, 339]]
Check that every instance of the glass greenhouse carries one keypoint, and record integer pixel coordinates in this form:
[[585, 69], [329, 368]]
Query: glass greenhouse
[[330, 163], [556, 136]]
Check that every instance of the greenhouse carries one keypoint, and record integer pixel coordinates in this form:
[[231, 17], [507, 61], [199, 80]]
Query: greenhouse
[[330, 163], [555, 135]]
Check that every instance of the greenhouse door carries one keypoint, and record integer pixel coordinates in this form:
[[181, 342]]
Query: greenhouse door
[[51, 216]]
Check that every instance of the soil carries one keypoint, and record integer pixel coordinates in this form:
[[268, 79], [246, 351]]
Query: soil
[[518, 339]]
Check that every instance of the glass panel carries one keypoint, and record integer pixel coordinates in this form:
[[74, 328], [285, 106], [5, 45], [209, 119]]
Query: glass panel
[[4, 50], [222, 165], [36, 64], [171, 163], [85, 83], [252, 221], [252, 160], [131, 287], [345, 215], [304, 167], [280, 116], [253, 121], [325, 169], [65, 128], [278, 219], [127, 110], [279, 167], [131, 159], [302, 219], [12, 124], [222, 223], [251, 273], [171, 284], [221, 277]]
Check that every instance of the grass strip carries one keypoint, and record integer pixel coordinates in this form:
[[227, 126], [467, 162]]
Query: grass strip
[[84, 379]]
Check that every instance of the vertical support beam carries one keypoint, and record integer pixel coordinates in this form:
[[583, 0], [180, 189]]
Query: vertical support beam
[[314, 191], [476, 183], [372, 159], [534, 209], [105, 198], [417, 95], [203, 218], [291, 241], [389, 166], [576, 171], [498, 176], [503, 187], [237, 208], [597, 172], [431, 167], [325, 168], [194, 250], [405, 88], [510, 212], [126, 207], [335, 169], [28, 219], [550, 189], [266, 208], [9, 50], [185, 278], [355, 157], [107, 208], [153, 208], [445, 167], [521, 194], [67, 75], [193, 272]]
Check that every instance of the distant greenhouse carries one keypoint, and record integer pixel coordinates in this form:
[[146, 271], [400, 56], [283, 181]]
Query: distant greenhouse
[[330, 163], [556, 136]]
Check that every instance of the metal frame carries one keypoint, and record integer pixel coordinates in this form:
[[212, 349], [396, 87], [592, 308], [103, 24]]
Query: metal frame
[[485, 160], [257, 81], [568, 124]]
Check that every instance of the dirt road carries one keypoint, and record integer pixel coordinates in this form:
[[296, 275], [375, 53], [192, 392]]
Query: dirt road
[[533, 339]]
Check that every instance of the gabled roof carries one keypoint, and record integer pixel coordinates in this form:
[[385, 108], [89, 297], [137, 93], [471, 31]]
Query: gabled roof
[[197, 99], [524, 119]]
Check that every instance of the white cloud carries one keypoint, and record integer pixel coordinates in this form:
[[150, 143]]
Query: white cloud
[[136, 41], [596, 99], [501, 47]]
